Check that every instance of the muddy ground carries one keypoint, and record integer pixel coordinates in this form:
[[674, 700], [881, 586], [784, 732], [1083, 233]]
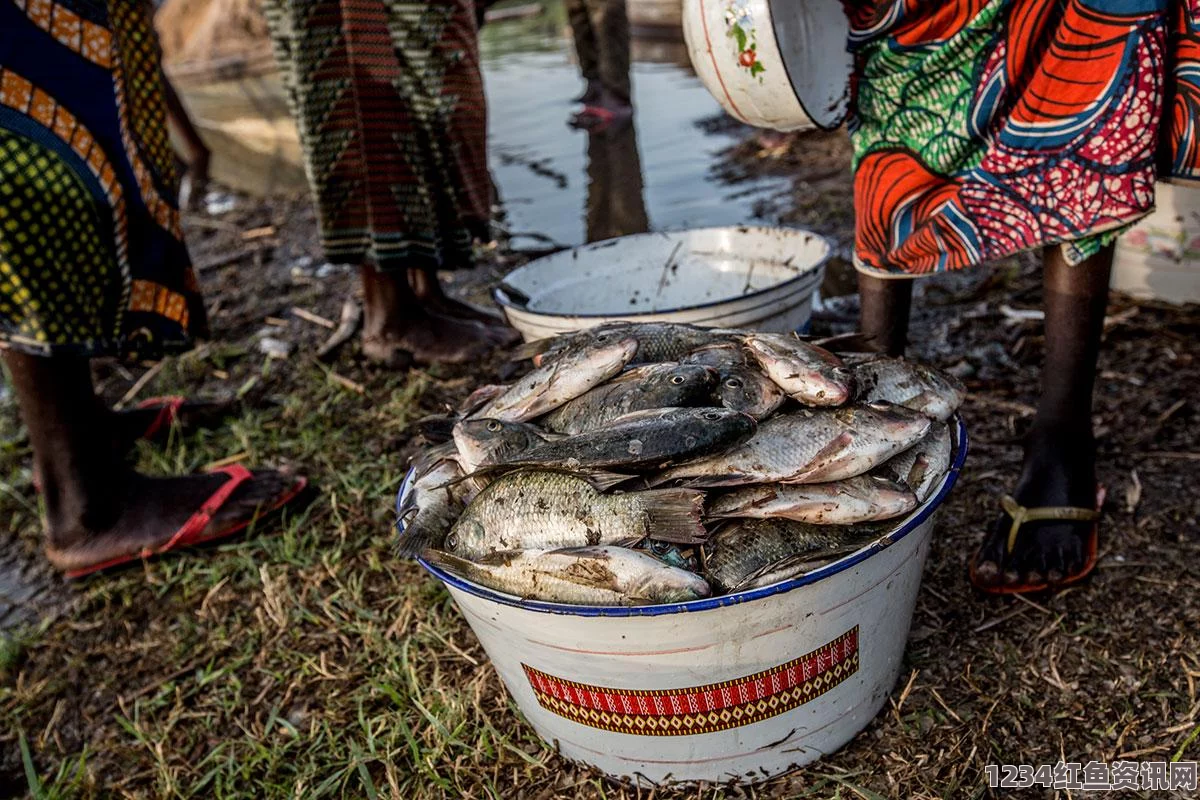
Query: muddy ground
[[307, 662]]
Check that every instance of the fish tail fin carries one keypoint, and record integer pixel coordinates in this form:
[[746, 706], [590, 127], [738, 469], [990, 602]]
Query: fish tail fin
[[673, 515], [715, 481], [528, 350], [414, 539]]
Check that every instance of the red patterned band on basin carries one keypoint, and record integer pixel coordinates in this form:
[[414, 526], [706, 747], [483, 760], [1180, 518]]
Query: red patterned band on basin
[[701, 709]]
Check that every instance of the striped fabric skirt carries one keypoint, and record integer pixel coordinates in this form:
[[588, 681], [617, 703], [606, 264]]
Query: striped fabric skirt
[[389, 101], [92, 260], [983, 128]]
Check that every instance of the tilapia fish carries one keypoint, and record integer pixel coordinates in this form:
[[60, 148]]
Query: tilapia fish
[[545, 510], [484, 442], [643, 440], [601, 576], [551, 385], [810, 446], [740, 386], [864, 498], [641, 388], [807, 373], [750, 553], [432, 507], [906, 383], [657, 341], [921, 466]]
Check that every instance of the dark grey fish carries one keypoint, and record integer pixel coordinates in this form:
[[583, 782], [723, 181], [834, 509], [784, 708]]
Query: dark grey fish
[[486, 442], [643, 440], [667, 385], [433, 506], [741, 385], [657, 341], [758, 552]]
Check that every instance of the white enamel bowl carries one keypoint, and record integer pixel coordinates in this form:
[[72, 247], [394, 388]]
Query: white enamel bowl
[[735, 688], [743, 277], [781, 64]]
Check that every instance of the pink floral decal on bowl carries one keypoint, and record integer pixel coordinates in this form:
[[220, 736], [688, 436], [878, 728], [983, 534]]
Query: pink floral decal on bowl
[[740, 23]]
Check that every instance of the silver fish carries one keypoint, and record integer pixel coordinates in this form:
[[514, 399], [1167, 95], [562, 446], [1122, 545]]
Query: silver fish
[[643, 440], [810, 446], [431, 509], [863, 498], [545, 510], [740, 386], [906, 383], [758, 552], [922, 466], [657, 341], [638, 389], [807, 373], [600, 576], [551, 385]]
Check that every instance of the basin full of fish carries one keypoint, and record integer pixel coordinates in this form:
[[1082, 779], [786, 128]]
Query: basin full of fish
[[648, 463]]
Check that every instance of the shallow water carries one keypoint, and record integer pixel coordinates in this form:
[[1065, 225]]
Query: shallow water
[[574, 187]]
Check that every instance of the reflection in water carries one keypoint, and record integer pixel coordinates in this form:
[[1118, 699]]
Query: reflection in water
[[615, 205], [531, 78]]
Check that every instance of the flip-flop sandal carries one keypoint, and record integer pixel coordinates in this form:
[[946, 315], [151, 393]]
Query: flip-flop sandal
[[168, 411], [1020, 515], [168, 407], [192, 534]]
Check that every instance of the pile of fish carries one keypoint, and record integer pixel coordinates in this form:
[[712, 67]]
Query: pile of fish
[[651, 463]]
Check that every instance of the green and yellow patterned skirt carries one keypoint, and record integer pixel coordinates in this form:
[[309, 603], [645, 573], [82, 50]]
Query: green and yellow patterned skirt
[[92, 260]]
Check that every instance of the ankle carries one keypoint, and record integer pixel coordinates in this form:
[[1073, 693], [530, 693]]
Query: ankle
[[80, 508]]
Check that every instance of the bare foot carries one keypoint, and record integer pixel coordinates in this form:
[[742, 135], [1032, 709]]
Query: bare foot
[[433, 297], [430, 339], [1059, 471], [398, 329], [152, 510]]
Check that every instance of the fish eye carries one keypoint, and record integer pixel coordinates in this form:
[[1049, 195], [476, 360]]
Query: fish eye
[[712, 415], [734, 383], [677, 379], [451, 540], [493, 426]]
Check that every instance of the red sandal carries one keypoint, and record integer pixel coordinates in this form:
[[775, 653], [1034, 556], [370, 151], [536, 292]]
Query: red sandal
[[1020, 515], [168, 411], [192, 533]]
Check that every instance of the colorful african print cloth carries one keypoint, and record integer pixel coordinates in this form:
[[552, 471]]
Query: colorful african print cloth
[[983, 128], [92, 260], [389, 100]]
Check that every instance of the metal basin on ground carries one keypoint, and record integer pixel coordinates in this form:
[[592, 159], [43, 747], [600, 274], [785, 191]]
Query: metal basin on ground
[[735, 688], [736, 277]]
